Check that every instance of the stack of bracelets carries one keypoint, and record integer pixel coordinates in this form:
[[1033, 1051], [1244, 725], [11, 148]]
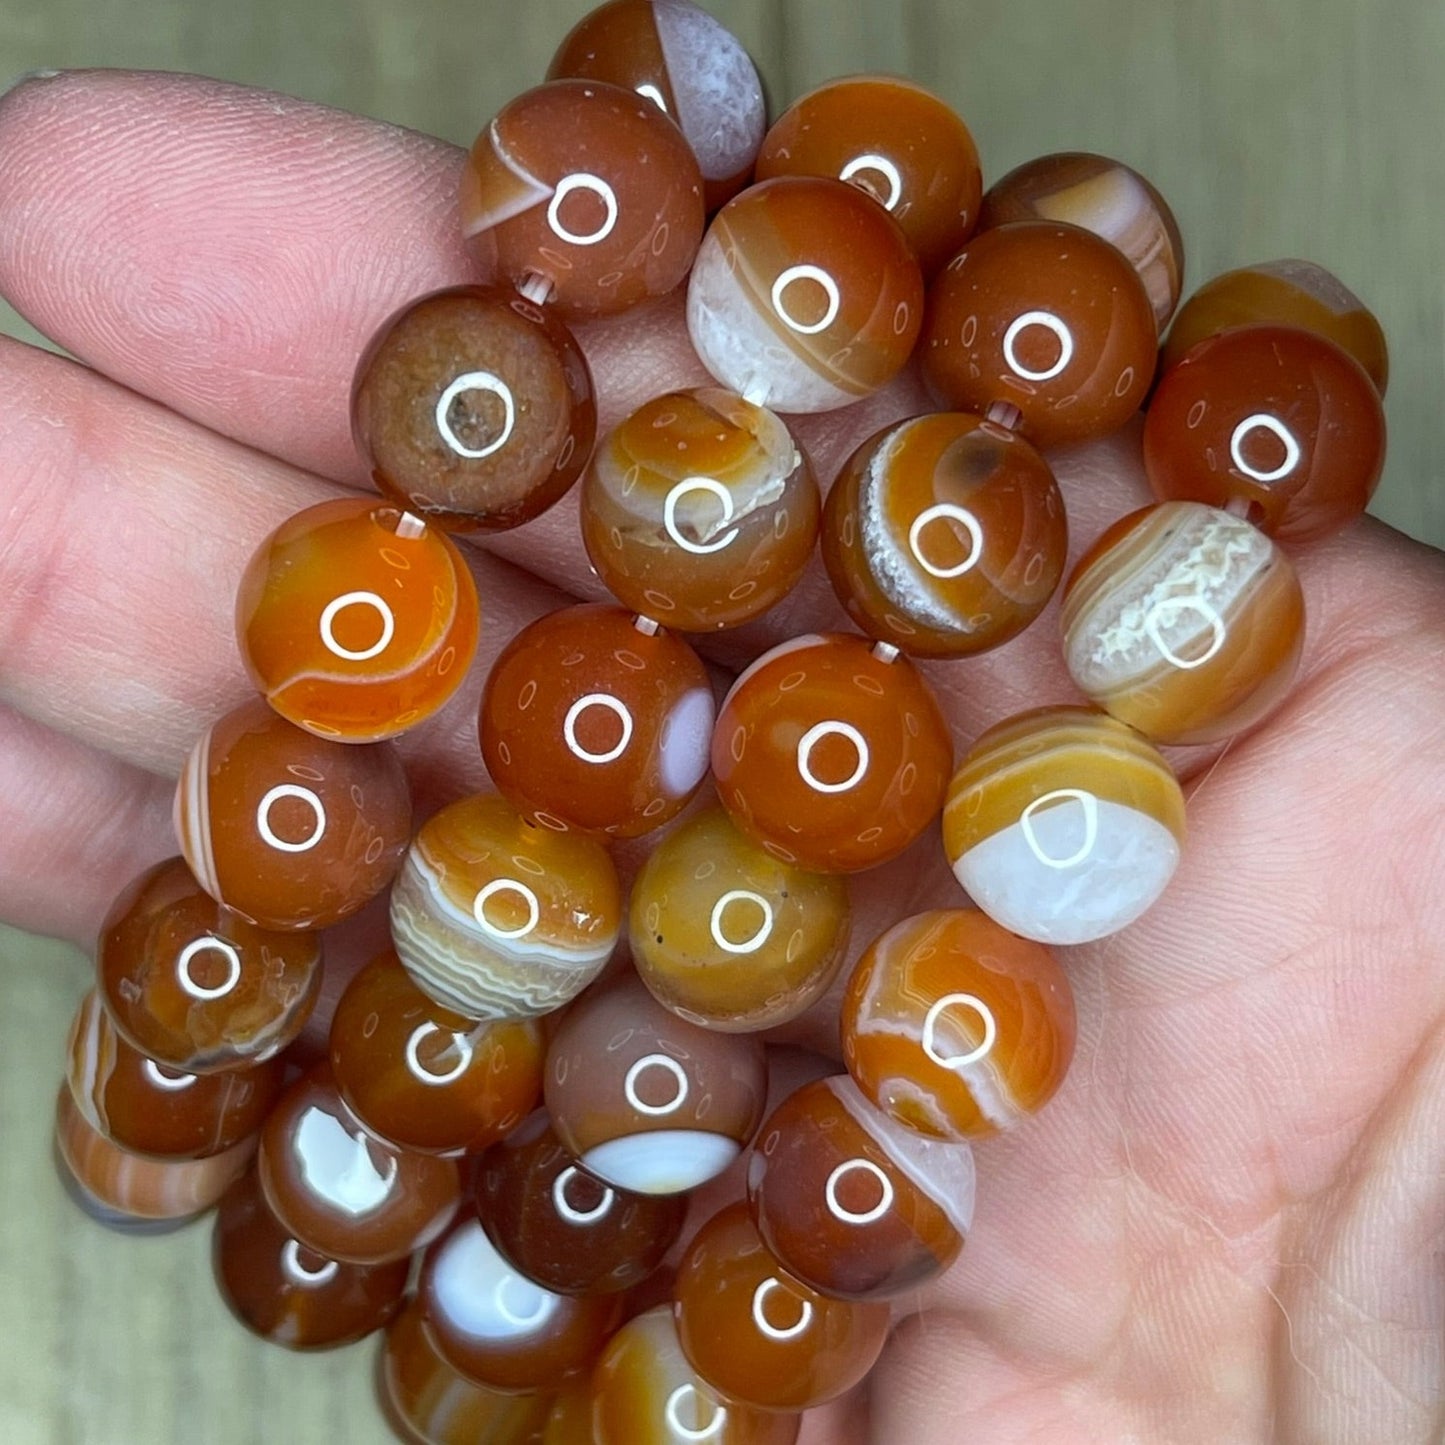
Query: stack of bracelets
[[494, 1161]]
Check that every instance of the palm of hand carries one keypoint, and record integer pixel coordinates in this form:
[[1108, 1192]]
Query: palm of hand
[[1226, 1226]]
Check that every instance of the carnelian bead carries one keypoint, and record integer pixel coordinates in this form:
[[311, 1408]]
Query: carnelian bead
[[699, 510], [805, 295], [595, 720], [895, 141], [831, 754], [955, 1027], [584, 195], [1282, 293], [691, 66], [1046, 321], [1103, 196], [1275, 418], [944, 535], [1184, 622], [474, 408]]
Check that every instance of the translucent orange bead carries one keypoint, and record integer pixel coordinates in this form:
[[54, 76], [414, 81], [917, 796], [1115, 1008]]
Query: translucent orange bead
[[1046, 324], [1103, 196], [585, 195], [944, 535], [356, 620], [1275, 419], [893, 139], [805, 295], [699, 510], [831, 754]]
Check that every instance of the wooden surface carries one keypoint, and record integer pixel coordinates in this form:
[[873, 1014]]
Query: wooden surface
[[1307, 128]]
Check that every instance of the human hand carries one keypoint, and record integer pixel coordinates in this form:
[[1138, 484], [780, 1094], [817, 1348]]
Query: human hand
[[1227, 1224]]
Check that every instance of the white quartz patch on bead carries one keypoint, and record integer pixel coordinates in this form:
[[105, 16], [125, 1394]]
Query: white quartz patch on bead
[[1072, 872], [661, 1161], [686, 743], [481, 1295], [338, 1165]]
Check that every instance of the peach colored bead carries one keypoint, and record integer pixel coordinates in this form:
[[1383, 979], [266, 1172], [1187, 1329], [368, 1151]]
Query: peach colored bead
[[1184, 622], [585, 196], [895, 141]]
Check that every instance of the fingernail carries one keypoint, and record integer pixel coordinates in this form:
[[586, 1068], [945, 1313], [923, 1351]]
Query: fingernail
[[26, 77]]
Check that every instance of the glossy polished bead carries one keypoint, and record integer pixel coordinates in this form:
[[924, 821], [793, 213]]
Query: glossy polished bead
[[561, 1227], [645, 1100], [570, 1420], [759, 1336], [585, 195], [691, 66], [151, 1109], [1044, 320], [1103, 196], [592, 720], [699, 510], [852, 1202], [290, 830], [496, 917], [474, 408], [895, 141], [341, 1191], [195, 986], [944, 535], [831, 755], [1284, 293], [728, 936], [128, 1191], [644, 1392], [355, 620], [423, 1077], [289, 1294], [427, 1402], [499, 1328], [1184, 622], [1063, 824], [805, 295], [1272, 418], [955, 1027]]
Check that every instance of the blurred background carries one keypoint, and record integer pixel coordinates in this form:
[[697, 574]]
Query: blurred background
[[1303, 128]]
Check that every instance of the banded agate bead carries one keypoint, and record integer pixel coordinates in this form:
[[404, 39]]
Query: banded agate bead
[[756, 1334], [691, 66], [647, 1101], [582, 194], [343, 1192], [288, 1294], [699, 510], [560, 1227], [290, 830], [496, 917], [831, 754], [1063, 824], [148, 1108], [955, 1027], [644, 1392], [852, 1202], [195, 986], [895, 141], [1046, 321], [1184, 622], [474, 408], [944, 535], [1273, 419], [498, 1328], [804, 296], [595, 720], [729, 936], [1283, 293], [423, 1077], [1103, 196]]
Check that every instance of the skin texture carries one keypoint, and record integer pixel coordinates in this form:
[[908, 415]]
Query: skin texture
[[1227, 1225]]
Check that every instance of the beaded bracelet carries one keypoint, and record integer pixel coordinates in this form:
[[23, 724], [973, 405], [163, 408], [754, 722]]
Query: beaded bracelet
[[850, 237]]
